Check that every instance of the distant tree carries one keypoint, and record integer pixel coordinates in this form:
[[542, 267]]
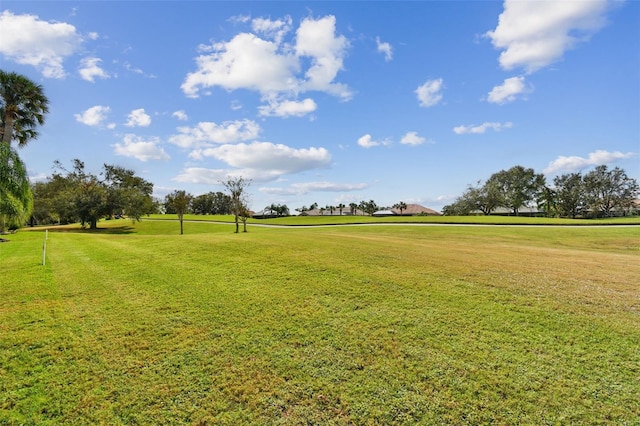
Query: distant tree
[[127, 194], [331, 209], [179, 202], [547, 201], [362, 205], [211, 203], [370, 207], [202, 204], [609, 190], [236, 187], [244, 215], [88, 194], [570, 195], [313, 206], [353, 208], [341, 207], [518, 186], [402, 206], [53, 200]]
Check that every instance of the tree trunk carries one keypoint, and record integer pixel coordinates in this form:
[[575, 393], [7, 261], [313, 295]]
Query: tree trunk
[[8, 128]]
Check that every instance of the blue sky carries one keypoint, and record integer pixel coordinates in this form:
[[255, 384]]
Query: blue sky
[[331, 102]]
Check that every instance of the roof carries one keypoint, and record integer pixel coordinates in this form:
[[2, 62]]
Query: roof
[[415, 209]]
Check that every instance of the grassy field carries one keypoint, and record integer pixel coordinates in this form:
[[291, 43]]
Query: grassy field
[[478, 220], [135, 324]]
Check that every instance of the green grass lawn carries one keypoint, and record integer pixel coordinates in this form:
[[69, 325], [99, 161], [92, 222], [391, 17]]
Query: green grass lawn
[[135, 324], [478, 220]]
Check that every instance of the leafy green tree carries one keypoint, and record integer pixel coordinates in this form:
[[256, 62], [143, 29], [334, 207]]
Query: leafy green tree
[[570, 195], [179, 202], [518, 186], [609, 190], [16, 198], [53, 201], [370, 207], [236, 187], [211, 203], [128, 194], [341, 207], [353, 208], [547, 201]]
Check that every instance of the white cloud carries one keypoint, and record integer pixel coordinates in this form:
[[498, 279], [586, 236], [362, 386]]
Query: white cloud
[[385, 49], [137, 70], [138, 148], [180, 115], [367, 141], [429, 94], [534, 34], [412, 138], [317, 39], [207, 133], [90, 69], [461, 130], [203, 175], [509, 91], [93, 116], [275, 30], [267, 156], [574, 163], [305, 188], [274, 67], [44, 45], [138, 118], [245, 62], [239, 19], [288, 108], [258, 161]]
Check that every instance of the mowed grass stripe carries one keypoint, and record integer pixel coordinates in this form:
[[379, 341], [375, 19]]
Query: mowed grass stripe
[[359, 325]]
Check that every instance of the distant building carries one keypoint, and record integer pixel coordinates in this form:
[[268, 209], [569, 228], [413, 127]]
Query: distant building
[[416, 210]]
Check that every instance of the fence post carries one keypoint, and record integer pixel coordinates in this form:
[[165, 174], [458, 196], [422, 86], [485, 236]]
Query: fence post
[[44, 250]]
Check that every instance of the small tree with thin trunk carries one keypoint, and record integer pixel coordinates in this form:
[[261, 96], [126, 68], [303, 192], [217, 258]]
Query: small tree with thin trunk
[[236, 187], [179, 201]]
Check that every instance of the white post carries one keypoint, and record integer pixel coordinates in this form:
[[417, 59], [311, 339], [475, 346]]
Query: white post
[[46, 234], [44, 251]]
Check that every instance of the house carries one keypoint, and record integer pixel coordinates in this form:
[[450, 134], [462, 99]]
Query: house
[[416, 210]]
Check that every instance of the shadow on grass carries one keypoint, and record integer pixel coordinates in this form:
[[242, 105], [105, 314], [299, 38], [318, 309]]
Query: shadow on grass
[[124, 229]]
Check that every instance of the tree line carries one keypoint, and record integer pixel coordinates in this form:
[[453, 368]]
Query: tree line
[[180, 202], [602, 192]]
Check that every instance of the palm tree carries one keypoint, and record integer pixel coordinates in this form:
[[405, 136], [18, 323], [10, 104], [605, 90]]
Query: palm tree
[[400, 206], [16, 198], [341, 206], [22, 109]]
